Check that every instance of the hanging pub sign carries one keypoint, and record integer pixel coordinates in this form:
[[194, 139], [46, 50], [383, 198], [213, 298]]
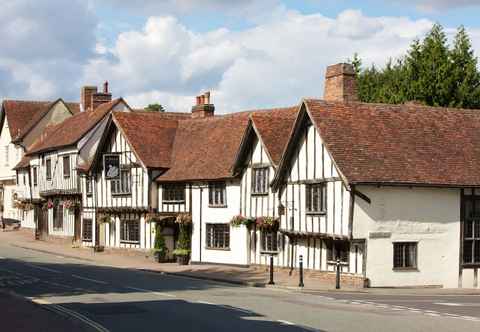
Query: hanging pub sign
[[111, 164]]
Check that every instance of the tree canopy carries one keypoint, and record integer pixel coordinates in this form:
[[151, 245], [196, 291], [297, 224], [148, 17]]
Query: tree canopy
[[155, 108], [432, 72]]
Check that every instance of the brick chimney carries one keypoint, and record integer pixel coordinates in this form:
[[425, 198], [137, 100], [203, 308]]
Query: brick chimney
[[86, 94], [340, 83], [101, 97], [203, 108], [90, 98]]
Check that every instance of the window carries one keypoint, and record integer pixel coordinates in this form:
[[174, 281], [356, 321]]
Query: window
[[35, 176], [471, 241], [405, 255], [316, 198], [173, 193], [218, 236], [87, 230], [130, 231], [57, 215], [260, 180], [269, 241], [88, 184], [217, 194], [48, 168], [338, 250], [66, 166], [122, 185]]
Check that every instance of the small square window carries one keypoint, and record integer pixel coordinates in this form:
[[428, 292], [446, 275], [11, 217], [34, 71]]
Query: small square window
[[316, 198], [217, 194], [405, 255]]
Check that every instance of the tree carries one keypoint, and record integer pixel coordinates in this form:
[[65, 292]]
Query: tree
[[155, 108], [465, 75], [430, 73]]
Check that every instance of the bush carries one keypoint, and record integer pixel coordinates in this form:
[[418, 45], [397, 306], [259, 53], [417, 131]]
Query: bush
[[159, 244], [183, 248]]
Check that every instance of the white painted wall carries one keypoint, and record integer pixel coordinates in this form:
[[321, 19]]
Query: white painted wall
[[429, 216], [203, 214]]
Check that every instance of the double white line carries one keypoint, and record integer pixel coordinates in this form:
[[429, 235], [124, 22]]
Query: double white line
[[62, 310]]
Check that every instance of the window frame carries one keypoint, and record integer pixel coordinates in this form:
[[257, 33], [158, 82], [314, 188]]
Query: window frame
[[88, 186], [167, 190], [126, 231], [404, 245], [68, 174], [119, 183], [58, 215], [265, 237], [211, 242], [48, 169], [35, 176], [255, 185], [220, 188], [333, 249], [310, 198], [89, 222]]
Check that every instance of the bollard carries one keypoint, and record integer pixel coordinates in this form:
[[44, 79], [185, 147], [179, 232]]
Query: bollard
[[300, 284], [271, 282], [337, 283]]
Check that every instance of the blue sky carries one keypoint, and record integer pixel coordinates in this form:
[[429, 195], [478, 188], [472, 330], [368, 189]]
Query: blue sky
[[249, 53]]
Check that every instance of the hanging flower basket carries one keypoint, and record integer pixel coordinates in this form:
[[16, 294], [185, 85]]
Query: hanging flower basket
[[267, 223], [47, 205], [184, 219], [104, 219], [27, 207], [240, 220], [71, 205]]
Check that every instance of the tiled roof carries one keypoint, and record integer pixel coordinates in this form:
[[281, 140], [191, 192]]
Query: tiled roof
[[205, 149], [70, 131], [274, 127], [150, 135], [19, 113], [401, 144], [23, 163]]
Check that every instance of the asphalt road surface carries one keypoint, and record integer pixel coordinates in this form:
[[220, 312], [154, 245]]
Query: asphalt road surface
[[106, 298]]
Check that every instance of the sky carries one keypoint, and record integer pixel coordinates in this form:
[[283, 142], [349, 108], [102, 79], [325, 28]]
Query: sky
[[249, 53]]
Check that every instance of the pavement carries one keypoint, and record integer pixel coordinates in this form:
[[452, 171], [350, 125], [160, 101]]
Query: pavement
[[112, 298]]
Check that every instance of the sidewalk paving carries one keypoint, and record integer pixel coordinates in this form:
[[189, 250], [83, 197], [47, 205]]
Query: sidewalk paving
[[257, 276]]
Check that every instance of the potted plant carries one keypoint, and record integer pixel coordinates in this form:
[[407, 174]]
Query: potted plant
[[182, 253], [182, 256], [160, 248]]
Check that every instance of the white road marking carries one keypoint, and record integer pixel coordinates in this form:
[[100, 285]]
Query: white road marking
[[60, 309], [150, 291], [286, 322], [43, 268], [449, 304], [88, 279], [205, 302]]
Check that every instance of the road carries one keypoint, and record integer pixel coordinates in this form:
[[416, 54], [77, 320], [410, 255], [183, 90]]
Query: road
[[106, 298]]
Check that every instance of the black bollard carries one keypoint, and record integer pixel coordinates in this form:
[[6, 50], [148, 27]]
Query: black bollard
[[337, 283], [300, 284], [271, 282]]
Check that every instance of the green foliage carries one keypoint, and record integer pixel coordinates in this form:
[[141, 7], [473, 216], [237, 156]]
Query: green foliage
[[431, 73], [159, 243], [184, 240], [155, 108]]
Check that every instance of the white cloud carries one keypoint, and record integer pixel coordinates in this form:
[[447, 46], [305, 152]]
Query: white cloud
[[437, 5], [44, 45], [275, 63]]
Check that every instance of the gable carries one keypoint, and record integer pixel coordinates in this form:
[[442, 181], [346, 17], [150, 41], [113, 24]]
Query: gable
[[55, 115]]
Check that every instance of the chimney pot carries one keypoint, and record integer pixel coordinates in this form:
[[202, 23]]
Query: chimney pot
[[340, 83], [105, 87], [203, 108]]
